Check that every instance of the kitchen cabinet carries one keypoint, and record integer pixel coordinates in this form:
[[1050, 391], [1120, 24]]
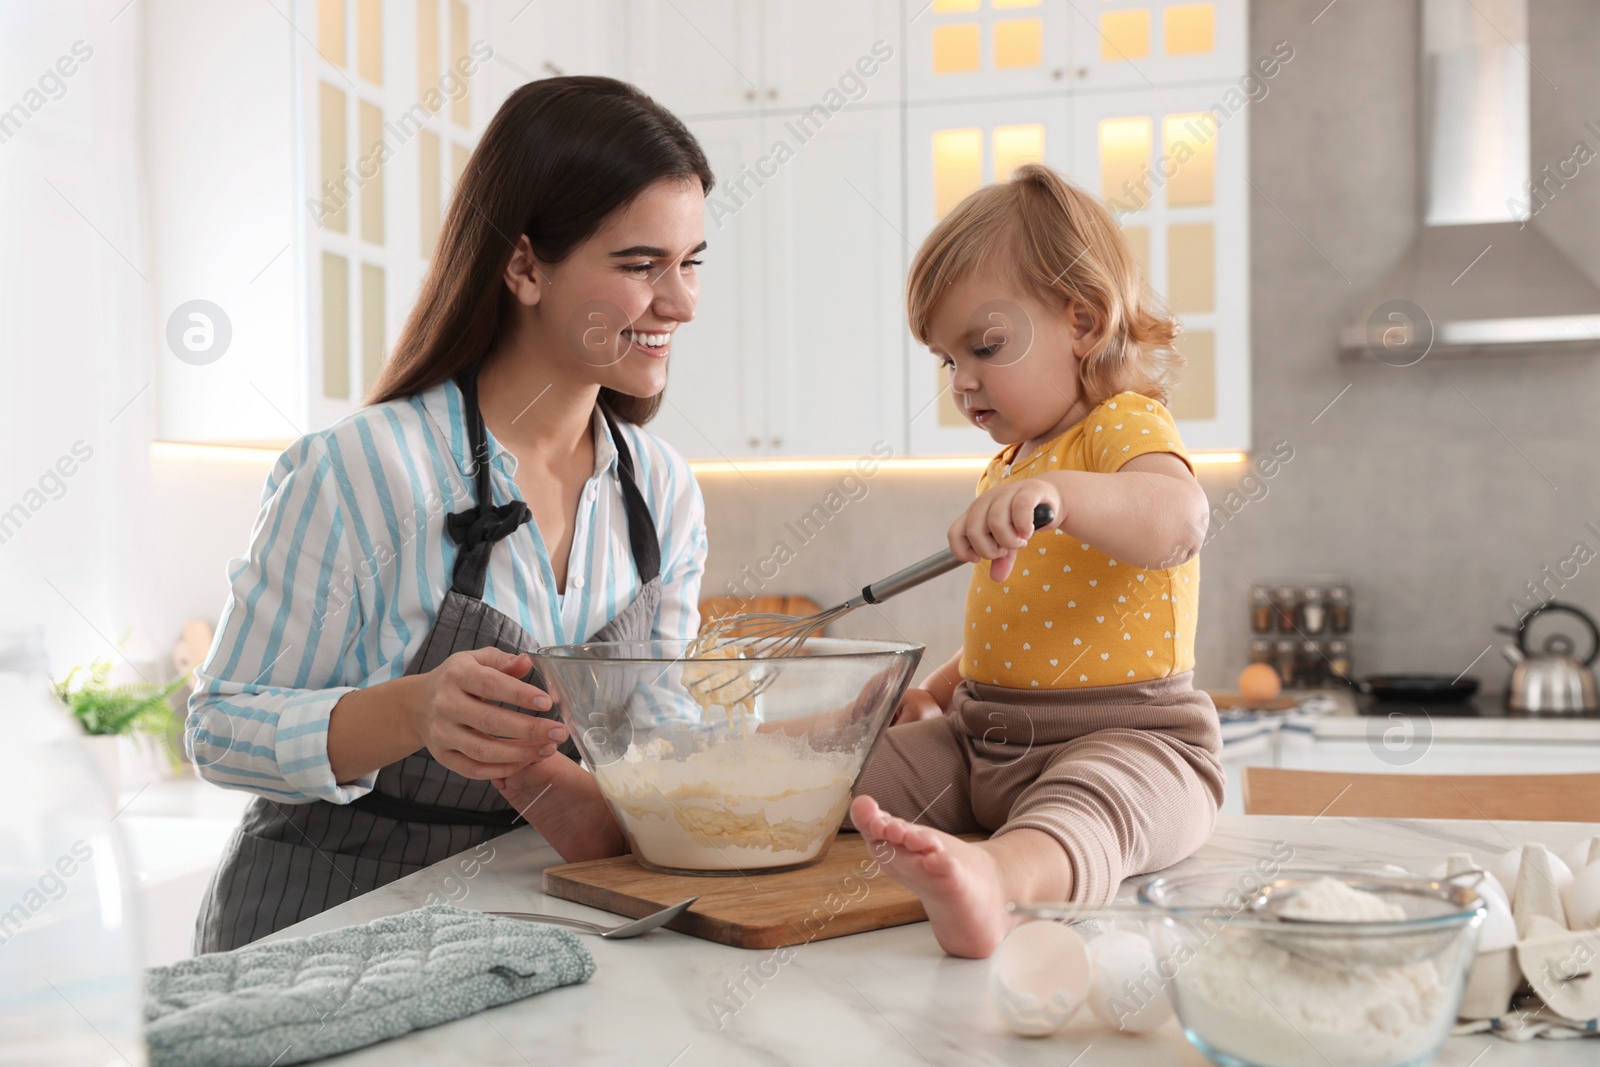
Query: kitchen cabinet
[[796, 346], [306, 229], [549, 38], [953, 149], [716, 378], [986, 49], [1355, 744], [1158, 43], [1130, 118], [696, 57], [705, 58], [1177, 179]]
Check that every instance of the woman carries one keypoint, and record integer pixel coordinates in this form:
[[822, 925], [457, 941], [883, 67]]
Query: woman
[[497, 494]]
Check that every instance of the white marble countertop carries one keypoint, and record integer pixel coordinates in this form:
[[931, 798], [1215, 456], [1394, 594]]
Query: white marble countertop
[[890, 997]]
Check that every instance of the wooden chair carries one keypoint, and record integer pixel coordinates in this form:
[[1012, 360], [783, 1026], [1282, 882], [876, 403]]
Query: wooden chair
[[1532, 797]]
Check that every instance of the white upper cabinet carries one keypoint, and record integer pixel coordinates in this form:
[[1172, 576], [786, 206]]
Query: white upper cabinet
[[972, 49], [953, 150], [1157, 43], [697, 57], [796, 348], [1148, 115], [548, 38], [833, 270], [967, 49], [716, 378], [385, 102], [394, 102], [831, 52], [1174, 175]]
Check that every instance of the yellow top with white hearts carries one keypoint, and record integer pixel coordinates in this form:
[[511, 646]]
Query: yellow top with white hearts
[[1068, 616]]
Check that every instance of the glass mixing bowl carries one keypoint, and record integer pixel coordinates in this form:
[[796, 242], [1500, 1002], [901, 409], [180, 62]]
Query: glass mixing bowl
[[724, 765], [1254, 988]]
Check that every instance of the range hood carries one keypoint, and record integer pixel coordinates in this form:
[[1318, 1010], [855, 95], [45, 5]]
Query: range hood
[[1479, 277]]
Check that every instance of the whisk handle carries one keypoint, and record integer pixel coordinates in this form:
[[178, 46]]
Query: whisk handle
[[935, 565]]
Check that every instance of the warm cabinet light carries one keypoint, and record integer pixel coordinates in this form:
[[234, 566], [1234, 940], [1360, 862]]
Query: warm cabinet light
[[957, 167], [1014, 146], [1125, 34], [1190, 29], [1124, 155], [823, 464], [955, 48], [265, 452], [1018, 43]]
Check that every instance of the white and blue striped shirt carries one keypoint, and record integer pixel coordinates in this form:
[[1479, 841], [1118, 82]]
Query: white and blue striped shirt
[[349, 562]]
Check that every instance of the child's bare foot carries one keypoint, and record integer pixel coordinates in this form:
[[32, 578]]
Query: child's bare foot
[[562, 801], [957, 881]]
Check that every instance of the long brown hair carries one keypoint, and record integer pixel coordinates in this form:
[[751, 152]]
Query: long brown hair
[[559, 156]]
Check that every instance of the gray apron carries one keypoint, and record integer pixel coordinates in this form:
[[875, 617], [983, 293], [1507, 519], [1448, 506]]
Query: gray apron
[[287, 862]]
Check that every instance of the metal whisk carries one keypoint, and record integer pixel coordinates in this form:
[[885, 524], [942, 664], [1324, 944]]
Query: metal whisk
[[764, 635]]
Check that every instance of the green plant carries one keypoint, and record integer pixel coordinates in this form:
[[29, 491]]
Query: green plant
[[108, 710]]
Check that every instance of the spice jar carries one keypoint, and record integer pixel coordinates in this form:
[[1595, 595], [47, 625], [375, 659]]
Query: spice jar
[[1284, 659], [1339, 609], [1339, 658], [1286, 598], [1260, 611], [1313, 610], [1308, 672], [1261, 650]]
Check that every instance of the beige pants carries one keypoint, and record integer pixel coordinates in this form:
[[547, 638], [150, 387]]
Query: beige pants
[[1126, 777]]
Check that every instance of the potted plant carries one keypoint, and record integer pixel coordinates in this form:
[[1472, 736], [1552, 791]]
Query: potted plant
[[123, 721]]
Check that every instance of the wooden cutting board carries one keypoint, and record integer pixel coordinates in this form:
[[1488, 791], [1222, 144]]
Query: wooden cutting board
[[847, 893]]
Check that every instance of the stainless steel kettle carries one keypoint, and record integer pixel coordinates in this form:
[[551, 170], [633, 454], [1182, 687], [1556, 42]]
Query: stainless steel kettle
[[1552, 681]]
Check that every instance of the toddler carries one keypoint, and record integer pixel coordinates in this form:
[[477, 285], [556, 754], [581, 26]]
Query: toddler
[[1067, 727]]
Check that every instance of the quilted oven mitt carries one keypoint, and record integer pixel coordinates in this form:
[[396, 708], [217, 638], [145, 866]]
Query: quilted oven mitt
[[291, 1001]]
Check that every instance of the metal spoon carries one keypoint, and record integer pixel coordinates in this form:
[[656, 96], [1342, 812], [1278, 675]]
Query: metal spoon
[[610, 933]]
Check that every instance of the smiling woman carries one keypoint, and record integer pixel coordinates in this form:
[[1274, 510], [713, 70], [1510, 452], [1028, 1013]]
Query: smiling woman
[[406, 724]]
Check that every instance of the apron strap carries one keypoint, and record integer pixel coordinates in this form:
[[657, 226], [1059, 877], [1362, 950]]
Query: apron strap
[[642, 536], [476, 529]]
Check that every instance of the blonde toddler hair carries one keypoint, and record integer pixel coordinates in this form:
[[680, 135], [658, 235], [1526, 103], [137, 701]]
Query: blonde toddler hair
[[1062, 245]]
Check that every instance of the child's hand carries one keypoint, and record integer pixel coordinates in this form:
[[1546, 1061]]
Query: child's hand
[[916, 705], [1000, 522]]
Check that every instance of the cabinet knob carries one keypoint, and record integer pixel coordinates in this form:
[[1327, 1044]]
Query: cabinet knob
[[754, 442], [776, 442], [772, 94], [750, 94]]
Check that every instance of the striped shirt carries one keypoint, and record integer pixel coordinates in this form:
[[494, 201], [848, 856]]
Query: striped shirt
[[349, 562]]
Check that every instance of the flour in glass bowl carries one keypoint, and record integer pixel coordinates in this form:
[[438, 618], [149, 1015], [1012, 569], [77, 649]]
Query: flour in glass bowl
[[744, 803], [1244, 996]]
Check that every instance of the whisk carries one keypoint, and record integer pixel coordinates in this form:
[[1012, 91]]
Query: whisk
[[764, 635]]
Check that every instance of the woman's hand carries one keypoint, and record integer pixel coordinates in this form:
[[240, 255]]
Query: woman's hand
[[455, 720], [1000, 522], [916, 705]]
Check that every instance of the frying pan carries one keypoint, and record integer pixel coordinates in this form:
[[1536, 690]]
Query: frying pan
[[1416, 688]]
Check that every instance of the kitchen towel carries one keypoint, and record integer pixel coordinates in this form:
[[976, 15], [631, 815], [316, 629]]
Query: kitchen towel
[[301, 999]]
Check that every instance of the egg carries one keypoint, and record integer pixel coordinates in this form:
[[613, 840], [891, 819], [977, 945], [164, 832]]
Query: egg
[[1583, 853], [1259, 683], [1039, 977], [1127, 992], [1506, 866]]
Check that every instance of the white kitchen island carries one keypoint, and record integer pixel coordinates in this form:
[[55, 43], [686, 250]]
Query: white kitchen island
[[884, 998]]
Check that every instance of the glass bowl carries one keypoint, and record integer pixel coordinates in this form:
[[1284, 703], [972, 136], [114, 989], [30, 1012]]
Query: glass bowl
[[1255, 988], [725, 766]]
